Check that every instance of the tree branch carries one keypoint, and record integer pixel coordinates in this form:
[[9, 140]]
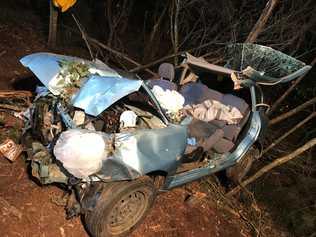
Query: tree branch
[[83, 35], [176, 31], [277, 141], [292, 112], [260, 24], [53, 17], [288, 91], [272, 165], [136, 69], [117, 53]]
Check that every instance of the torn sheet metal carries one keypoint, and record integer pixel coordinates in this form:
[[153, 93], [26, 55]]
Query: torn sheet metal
[[46, 66], [103, 86], [203, 64], [98, 93]]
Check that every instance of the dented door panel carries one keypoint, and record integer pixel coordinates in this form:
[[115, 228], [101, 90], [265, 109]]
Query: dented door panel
[[148, 150], [144, 151]]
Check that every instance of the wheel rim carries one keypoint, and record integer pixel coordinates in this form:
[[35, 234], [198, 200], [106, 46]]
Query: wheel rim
[[127, 211]]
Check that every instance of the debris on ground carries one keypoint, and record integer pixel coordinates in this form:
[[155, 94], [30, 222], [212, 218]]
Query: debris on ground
[[15, 101], [13, 105], [10, 150], [7, 209], [195, 198]]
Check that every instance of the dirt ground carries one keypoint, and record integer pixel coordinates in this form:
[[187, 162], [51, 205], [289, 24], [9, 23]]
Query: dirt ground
[[27, 209]]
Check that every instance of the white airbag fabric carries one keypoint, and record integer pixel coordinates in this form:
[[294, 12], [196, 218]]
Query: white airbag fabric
[[170, 100], [80, 151]]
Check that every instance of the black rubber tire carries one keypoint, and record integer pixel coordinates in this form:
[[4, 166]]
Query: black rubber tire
[[237, 172], [99, 222]]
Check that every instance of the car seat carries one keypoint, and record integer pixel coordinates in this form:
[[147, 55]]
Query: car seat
[[196, 93]]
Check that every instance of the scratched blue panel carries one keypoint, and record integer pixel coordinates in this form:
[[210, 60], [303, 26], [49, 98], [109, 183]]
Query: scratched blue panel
[[98, 93]]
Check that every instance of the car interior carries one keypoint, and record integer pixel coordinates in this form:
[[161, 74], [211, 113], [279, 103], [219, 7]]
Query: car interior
[[216, 135]]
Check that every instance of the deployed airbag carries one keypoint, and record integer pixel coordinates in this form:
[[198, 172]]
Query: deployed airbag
[[81, 152]]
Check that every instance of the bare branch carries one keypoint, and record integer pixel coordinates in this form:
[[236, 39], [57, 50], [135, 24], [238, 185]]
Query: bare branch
[[258, 27], [272, 165], [84, 37], [3, 53], [277, 141], [292, 112], [288, 91], [136, 69], [117, 53], [176, 31], [53, 18], [15, 94]]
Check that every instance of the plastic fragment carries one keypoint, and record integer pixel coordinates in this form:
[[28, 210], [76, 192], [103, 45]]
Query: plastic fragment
[[10, 150], [128, 119], [79, 117]]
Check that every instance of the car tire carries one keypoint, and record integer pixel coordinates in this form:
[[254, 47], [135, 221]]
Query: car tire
[[120, 208], [237, 172]]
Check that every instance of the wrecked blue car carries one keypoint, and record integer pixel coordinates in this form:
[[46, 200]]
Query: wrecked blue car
[[115, 140]]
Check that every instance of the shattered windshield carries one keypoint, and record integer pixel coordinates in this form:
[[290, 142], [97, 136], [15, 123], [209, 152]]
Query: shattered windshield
[[263, 59]]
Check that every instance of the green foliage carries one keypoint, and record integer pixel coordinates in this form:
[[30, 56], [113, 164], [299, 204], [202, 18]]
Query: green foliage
[[72, 73], [71, 77]]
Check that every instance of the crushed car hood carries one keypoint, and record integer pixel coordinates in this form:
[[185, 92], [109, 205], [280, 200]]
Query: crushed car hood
[[103, 87], [46, 65], [98, 93]]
